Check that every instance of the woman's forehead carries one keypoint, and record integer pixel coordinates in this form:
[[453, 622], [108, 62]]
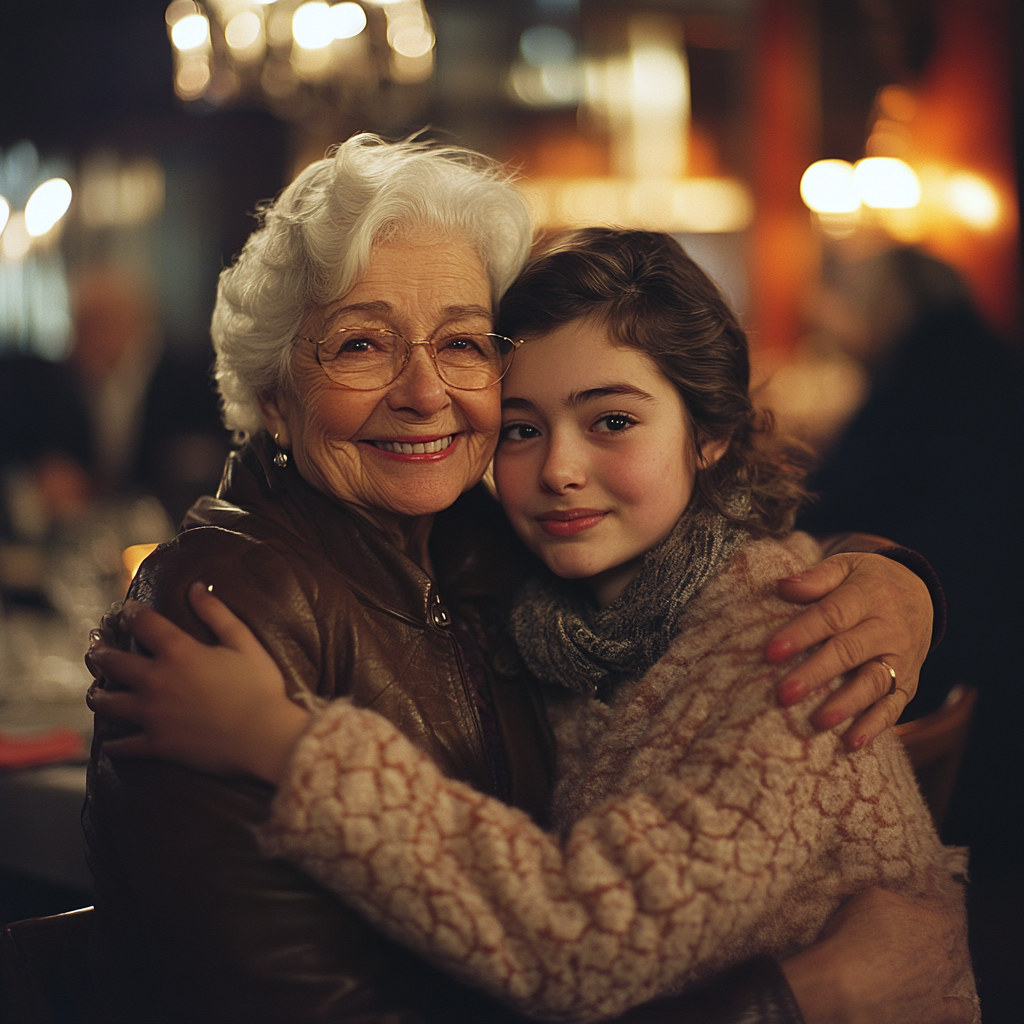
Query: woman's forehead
[[422, 277]]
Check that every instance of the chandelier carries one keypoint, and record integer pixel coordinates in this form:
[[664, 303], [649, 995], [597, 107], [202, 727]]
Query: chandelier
[[302, 60]]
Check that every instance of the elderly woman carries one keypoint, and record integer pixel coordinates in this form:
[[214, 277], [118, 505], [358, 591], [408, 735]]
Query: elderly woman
[[326, 539]]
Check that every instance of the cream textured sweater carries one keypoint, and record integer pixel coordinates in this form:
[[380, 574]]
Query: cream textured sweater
[[701, 823]]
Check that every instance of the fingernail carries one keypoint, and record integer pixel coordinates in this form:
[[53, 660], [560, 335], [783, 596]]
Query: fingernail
[[791, 691], [828, 719], [780, 650], [857, 742], [792, 579], [199, 587]]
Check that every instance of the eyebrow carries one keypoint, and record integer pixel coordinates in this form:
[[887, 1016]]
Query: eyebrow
[[578, 398], [384, 310]]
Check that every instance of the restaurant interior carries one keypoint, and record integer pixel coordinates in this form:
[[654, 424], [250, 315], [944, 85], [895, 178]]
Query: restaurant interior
[[844, 169]]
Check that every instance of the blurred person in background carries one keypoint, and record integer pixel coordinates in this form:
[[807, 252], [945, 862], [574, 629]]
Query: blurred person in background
[[118, 416], [933, 457]]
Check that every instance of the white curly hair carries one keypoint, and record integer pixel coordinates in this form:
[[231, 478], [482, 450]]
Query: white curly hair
[[314, 241]]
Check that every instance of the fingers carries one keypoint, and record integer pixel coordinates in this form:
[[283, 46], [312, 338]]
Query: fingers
[[816, 582], [152, 630], [875, 613], [828, 618], [97, 644], [230, 630], [131, 671], [843, 652], [115, 704], [868, 688]]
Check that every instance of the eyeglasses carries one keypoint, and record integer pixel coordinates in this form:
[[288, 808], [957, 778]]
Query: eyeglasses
[[368, 358]]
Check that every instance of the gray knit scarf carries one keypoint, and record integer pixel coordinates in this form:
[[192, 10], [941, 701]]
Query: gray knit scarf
[[564, 638]]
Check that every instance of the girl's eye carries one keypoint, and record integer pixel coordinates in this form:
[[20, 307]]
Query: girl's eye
[[518, 432], [614, 422]]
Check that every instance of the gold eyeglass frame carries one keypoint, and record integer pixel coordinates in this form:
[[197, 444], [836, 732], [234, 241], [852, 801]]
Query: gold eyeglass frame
[[409, 346]]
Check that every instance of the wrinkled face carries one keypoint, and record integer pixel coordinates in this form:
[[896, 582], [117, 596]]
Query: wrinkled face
[[596, 460], [412, 447]]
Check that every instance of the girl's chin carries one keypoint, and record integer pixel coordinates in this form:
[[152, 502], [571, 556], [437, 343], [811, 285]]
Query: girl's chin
[[567, 569]]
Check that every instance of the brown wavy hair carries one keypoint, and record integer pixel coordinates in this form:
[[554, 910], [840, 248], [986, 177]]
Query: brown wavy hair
[[653, 297]]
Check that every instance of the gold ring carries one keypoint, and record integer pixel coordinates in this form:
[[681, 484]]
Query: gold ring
[[892, 675]]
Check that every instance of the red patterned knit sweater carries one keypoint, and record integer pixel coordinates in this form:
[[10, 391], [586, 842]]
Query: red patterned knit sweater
[[699, 824]]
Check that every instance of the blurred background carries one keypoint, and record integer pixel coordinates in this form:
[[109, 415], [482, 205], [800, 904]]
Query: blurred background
[[849, 171]]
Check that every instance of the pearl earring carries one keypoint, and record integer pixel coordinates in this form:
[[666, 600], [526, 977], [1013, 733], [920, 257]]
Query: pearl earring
[[281, 457]]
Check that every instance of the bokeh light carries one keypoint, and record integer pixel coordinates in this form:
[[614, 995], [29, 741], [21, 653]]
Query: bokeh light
[[47, 204], [973, 200], [311, 25], [192, 78], [347, 20], [15, 242], [897, 102], [828, 186], [5, 213], [179, 9], [546, 44], [886, 183], [190, 32], [413, 41], [243, 30]]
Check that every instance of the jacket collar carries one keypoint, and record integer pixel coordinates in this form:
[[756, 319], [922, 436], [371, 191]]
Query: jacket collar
[[253, 487]]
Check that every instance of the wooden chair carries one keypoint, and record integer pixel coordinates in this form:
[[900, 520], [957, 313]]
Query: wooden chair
[[935, 744], [44, 970]]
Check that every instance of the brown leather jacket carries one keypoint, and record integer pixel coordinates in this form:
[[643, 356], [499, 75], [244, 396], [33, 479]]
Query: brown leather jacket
[[194, 923]]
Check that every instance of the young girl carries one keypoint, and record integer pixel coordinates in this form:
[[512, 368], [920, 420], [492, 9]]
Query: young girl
[[698, 823]]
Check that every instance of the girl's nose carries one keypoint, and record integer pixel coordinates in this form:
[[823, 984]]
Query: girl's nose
[[564, 466], [419, 387]]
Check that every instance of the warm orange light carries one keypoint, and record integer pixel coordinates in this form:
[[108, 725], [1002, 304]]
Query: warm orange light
[[973, 200], [828, 186], [897, 102], [887, 183], [709, 205], [134, 556]]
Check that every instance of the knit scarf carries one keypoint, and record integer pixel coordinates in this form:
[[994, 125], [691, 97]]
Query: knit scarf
[[566, 639]]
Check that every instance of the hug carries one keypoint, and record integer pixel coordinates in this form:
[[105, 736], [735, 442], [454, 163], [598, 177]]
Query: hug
[[403, 758]]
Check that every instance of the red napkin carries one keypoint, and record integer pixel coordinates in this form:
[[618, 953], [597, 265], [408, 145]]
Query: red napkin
[[26, 751]]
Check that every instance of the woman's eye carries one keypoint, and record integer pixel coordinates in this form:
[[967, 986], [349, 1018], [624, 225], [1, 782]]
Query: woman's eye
[[614, 422], [347, 344], [519, 432], [356, 345], [459, 342]]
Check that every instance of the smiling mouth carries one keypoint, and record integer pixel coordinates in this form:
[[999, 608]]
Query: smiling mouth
[[414, 448]]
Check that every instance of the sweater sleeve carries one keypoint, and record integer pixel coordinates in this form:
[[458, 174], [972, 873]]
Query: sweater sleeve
[[734, 830]]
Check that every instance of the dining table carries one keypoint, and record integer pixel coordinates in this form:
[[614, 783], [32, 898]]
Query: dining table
[[45, 728], [53, 590]]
